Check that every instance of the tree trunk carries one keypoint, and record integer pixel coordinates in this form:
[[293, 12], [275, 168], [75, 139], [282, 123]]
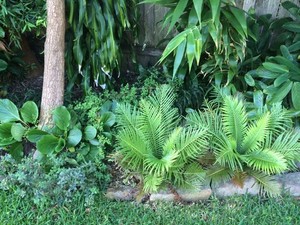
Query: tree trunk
[[53, 84]]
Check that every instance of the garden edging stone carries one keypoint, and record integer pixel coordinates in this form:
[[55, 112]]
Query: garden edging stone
[[289, 183]]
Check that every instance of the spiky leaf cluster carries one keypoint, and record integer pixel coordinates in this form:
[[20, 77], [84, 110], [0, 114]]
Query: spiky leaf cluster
[[260, 147], [152, 143]]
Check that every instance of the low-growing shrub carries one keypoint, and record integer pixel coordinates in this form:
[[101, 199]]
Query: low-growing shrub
[[51, 180]]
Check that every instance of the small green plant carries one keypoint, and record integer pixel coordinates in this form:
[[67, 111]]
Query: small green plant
[[20, 126], [151, 142], [242, 147], [52, 180]]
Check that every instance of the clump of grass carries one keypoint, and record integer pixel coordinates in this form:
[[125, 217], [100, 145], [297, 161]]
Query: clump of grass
[[235, 210]]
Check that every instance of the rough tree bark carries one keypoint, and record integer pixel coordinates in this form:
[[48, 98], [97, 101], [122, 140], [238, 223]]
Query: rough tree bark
[[53, 84]]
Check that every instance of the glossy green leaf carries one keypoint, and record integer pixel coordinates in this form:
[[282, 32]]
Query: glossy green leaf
[[5, 130], [16, 151], [17, 131], [296, 95], [258, 99], [48, 144], [74, 137], [29, 112], [2, 34], [8, 111], [3, 65], [215, 8], [180, 7], [34, 135], [179, 56], [249, 80], [62, 117], [190, 49], [280, 93], [173, 44], [198, 5], [281, 79], [276, 68], [90, 133], [240, 16], [292, 26]]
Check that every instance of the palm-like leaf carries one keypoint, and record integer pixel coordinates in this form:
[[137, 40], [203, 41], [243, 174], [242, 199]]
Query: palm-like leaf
[[287, 144], [133, 148], [234, 119], [191, 143], [256, 134], [151, 143], [266, 183], [268, 161]]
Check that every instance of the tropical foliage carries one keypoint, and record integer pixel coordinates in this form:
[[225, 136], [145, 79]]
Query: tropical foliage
[[243, 147], [151, 142], [93, 39], [212, 34]]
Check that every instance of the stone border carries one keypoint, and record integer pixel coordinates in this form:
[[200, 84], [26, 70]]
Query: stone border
[[289, 183]]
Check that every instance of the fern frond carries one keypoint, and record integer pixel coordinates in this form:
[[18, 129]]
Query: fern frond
[[266, 184], [288, 145], [152, 183], [280, 120], [149, 122], [191, 143], [194, 176], [256, 134], [160, 166], [133, 148], [163, 100], [126, 115], [267, 161], [226, 154], [218, 173], [234, 119]]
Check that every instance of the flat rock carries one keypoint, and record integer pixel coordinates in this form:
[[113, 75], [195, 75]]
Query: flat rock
[[123, 193], [193, 195], [229, 189], [290, 183]]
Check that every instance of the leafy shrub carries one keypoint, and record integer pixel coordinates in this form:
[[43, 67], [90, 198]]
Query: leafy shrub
[[243, 147], [152, 143], [93, 37], [212, 30], [52, 181], [20, 126]]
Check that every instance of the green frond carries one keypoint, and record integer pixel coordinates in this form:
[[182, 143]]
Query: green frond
[[234, 119], [194, 176], [266, 184], [288, 145], [127, 115], [280, 120], [256, 134], [150, 124], [163, 100], [267, 161], [170, 143], [160, 166], [133, 148], [152, 183], [226, 154], [191, 143], [218, 173]]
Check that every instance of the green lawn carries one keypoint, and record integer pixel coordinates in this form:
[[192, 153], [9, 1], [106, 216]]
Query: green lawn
[[237, 210]]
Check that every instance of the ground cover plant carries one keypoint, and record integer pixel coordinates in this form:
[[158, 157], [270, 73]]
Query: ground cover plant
[[234, 210]]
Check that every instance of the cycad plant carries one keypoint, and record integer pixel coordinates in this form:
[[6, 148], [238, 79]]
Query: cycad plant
[[242, 148], [152, 143]]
